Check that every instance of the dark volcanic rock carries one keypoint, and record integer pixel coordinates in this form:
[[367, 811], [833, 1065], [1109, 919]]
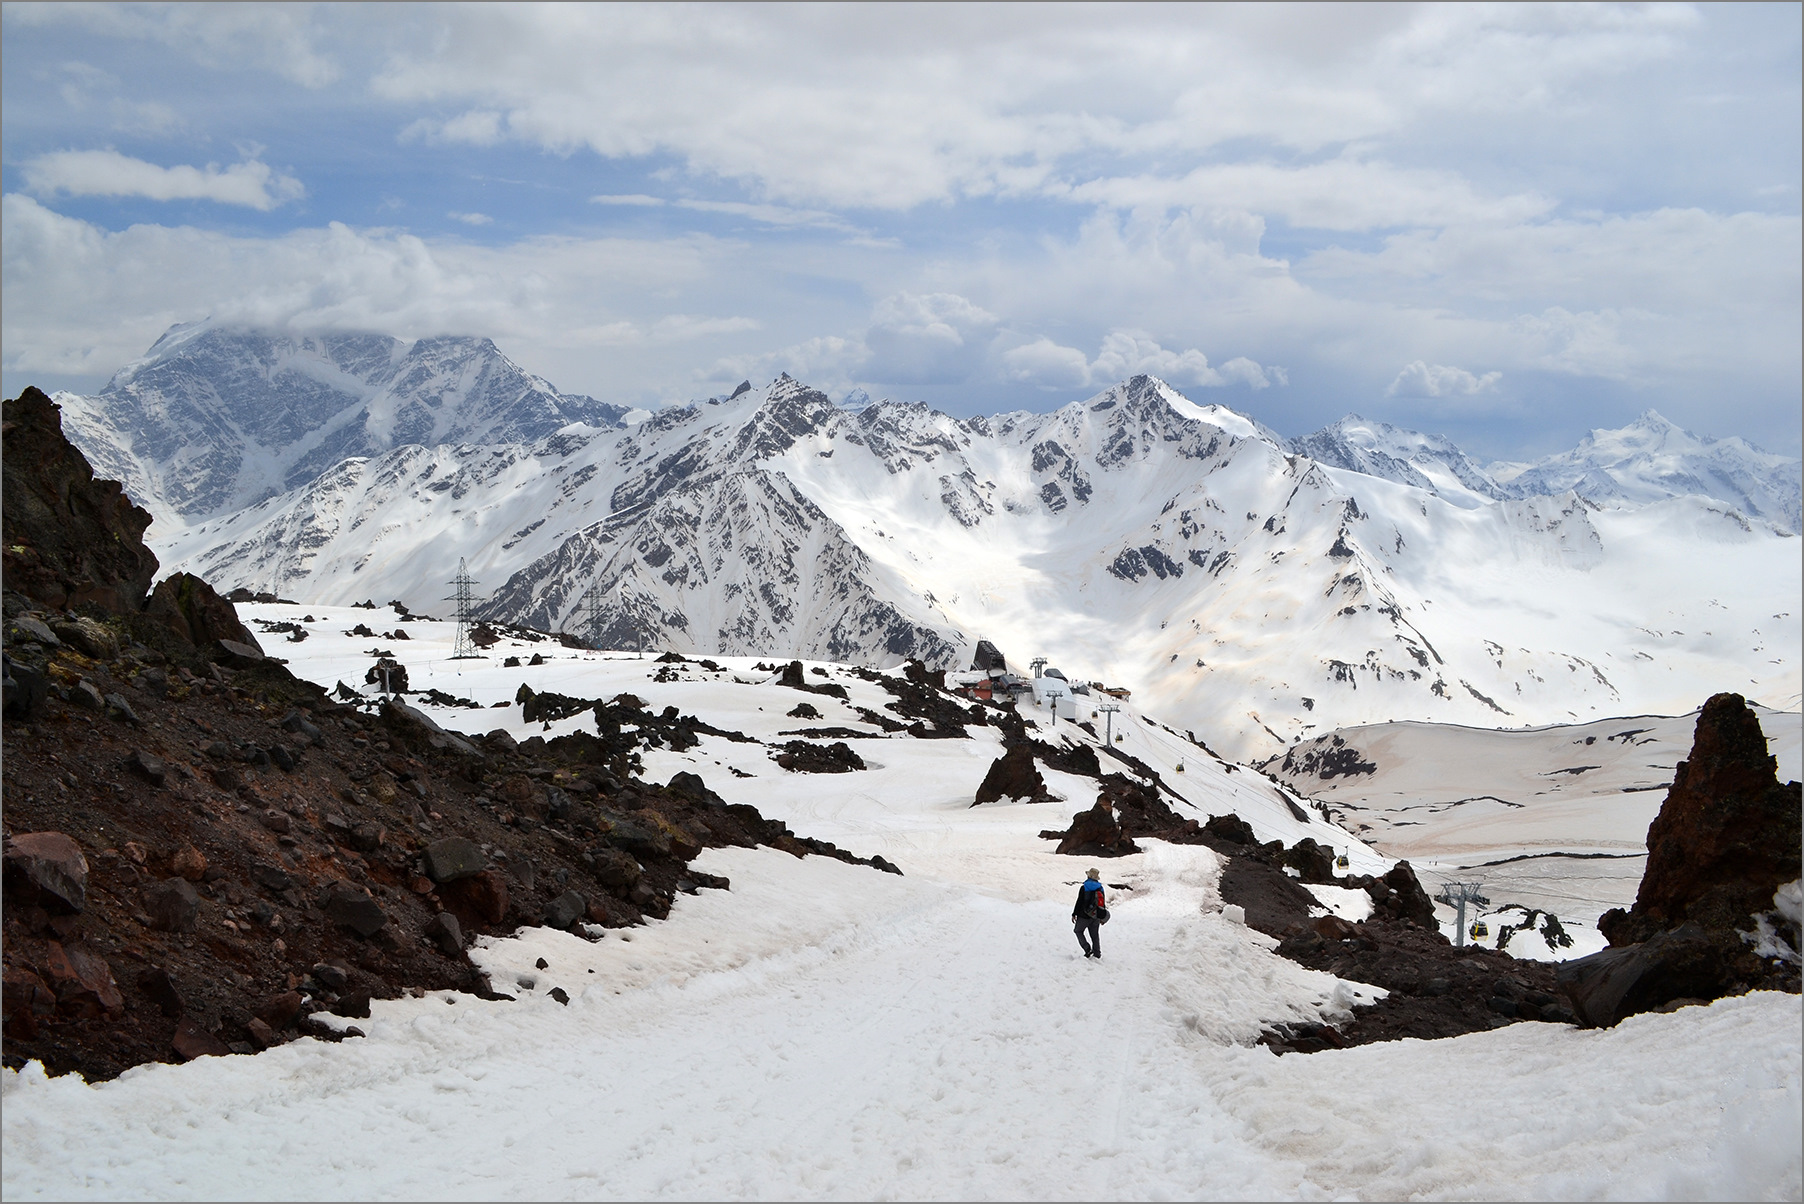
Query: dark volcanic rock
[[1727, 835], [805, 756], [1096, 833], [191, 609], [173, 906], [48, 869], [1685, 963], [349, 907], [452, 858], [1012, 775], [68, 539]]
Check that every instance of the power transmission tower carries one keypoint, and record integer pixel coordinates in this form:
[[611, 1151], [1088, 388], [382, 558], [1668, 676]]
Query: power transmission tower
[[1458, 894], [1108, 709], [591, 607], [462, 648]]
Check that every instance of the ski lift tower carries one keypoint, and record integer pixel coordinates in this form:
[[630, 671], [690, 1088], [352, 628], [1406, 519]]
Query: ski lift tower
[[1459, 894], [1109, 709], [1039, 663], [461, 648]]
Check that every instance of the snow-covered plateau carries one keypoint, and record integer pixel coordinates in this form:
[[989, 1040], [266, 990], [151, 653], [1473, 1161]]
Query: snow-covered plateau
[[822, 1030]]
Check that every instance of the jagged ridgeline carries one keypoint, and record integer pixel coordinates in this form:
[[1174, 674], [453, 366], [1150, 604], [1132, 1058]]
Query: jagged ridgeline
[[1246, 585]]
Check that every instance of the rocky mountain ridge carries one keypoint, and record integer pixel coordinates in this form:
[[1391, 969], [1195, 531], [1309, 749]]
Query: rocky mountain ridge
[[214, 417], [1257, 594]]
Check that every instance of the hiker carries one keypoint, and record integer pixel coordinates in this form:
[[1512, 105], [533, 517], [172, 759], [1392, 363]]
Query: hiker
[[1090, 914]]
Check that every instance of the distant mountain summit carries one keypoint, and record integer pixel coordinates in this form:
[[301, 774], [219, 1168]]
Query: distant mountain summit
[[1241, 588], [1651, 458], [216, 417], [1378, 449]]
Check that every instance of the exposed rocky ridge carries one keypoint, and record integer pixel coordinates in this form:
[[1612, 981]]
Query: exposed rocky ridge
[[1709, 917], [775, 523], [201, 850], [215, 417]]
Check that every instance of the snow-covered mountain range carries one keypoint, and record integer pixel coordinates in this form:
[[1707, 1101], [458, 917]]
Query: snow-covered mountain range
[[214, 418], [1241, 588], [1651, 459]]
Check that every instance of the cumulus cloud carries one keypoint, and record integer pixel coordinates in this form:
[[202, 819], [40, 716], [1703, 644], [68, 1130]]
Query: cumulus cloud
[[927, 338], [285, 39], [1126, 353], [1420, 379], [109, 173], [893, 113]]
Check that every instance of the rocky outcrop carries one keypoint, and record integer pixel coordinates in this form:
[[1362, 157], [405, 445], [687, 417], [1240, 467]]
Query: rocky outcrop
[[1097, 833], [1725, 844], [1013, 775], [68, 539], [1727, 836], [191, 609]]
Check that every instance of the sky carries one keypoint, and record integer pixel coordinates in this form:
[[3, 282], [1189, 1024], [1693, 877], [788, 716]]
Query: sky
[[1508, 224]]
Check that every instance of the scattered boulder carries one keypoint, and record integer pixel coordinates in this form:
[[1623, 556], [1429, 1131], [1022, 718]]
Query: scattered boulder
[[805, 756], [1013, 775], [1096, 833], [566, 910], [173, 905], [88, 637], [444, 931], [47, 869], [350, 908], [189, 862], [191, 1041], [150, 768], [159, 988], [196, 614], [1684, 963], [452, 858], [82, 979], [25, 691]]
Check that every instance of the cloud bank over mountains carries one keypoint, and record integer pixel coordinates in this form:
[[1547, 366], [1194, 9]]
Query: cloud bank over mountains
[[1519, 222]]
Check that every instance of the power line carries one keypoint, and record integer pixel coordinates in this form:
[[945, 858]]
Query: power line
[[463, 594]]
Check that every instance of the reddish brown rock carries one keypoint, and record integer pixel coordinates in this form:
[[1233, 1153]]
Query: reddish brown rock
[[81, 979], [46, 869], [481, 898], [1727, 835], [191, 609], [280, 1010], [189, 862], [1096, 833], [1012, 775], [192, 1041], [67, 538]]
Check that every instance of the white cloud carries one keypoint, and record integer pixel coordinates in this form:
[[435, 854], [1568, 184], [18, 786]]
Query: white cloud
[[894, 112], [1126, 353], [774, 215], [634, 198], [1420, 379], [1047, 364], [280, 38], [470, 219], [109, 173], [927, 338]]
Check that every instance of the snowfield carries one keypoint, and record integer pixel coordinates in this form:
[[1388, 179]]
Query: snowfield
[[822, 1030]]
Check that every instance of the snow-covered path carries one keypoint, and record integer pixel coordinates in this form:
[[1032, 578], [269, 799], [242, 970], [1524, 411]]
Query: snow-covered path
[[858, 1035], [823, 1030]]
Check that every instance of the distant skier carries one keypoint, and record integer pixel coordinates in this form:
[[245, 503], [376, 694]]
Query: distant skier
[[1090, 914]]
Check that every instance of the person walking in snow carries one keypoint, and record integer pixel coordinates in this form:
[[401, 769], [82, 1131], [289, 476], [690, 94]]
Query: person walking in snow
[[1090, 914]]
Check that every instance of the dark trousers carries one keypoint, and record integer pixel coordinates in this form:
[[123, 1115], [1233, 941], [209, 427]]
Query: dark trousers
[[1089, 935]]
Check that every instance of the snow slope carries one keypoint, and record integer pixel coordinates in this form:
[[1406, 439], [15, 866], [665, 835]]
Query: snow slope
[[1552, 818], [824, 1030], [1246, 592], [216, 417], [1651, 459]]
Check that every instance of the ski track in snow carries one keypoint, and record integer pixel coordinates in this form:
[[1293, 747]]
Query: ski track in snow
[[823, 1030]]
